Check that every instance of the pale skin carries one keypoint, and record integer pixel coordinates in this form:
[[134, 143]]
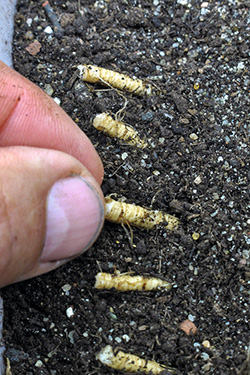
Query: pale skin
[[39, 145]]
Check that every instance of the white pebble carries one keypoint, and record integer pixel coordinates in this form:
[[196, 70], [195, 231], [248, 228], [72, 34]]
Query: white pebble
[[204, 356], [57, 100], [191, 318], [126, 338], [29, 21], [193, 136], [156, 173], [240, 66], [48, 30], [48, 89], [71, 337], [197, 344], [197, 180], [69, 312], [66, 287], [39, 363]]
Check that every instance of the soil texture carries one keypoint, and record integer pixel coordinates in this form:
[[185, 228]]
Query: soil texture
[[196, 167]]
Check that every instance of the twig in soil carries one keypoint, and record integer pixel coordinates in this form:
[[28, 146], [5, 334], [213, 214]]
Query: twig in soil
[[8, 367], [129, 235], [95, 74], [117, 129], [131, 363], [58, 30], [126, 282], [121, 212], [79, 8]]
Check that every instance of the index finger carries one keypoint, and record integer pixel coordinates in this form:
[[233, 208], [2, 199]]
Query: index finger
[[29, 117]]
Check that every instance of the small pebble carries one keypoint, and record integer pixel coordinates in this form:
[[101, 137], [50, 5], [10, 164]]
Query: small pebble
[[197, 180], [126, 338], [195, 236], [48, 89], [206, 344], [207, 367], [156, 173], [29, 21], [57, 100], [39, 363], [215, 196], [205, 356], [71, 337], [34, 48], [191, 317], [142, 328], [188, 327], [69, 312], [29, 35], [48, 30], [193, 136], [66, 287]]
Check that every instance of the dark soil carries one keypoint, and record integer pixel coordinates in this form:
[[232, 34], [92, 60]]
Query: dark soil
[[196, 167]]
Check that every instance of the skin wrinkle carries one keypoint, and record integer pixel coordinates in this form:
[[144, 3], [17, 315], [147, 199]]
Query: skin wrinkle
[[12, 97], [2, 125]]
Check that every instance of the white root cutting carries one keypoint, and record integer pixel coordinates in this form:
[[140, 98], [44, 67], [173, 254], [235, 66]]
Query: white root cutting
[[125, 282], [121, 212], [130, 363], [95, 74], [117, 129]]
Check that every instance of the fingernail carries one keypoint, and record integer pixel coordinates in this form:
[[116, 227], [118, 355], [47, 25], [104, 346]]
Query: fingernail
[[75, 215]]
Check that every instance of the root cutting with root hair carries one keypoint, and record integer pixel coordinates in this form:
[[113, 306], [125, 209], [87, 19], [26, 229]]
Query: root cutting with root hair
[[131, 363], [121, 212], [126, 282], [117, 129], [95, 74], [128, 214]]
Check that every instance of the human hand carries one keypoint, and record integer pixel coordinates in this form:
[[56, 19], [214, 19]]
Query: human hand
[[51, 204]]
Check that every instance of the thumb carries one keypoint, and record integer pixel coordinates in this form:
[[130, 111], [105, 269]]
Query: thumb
[[51, 210]]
